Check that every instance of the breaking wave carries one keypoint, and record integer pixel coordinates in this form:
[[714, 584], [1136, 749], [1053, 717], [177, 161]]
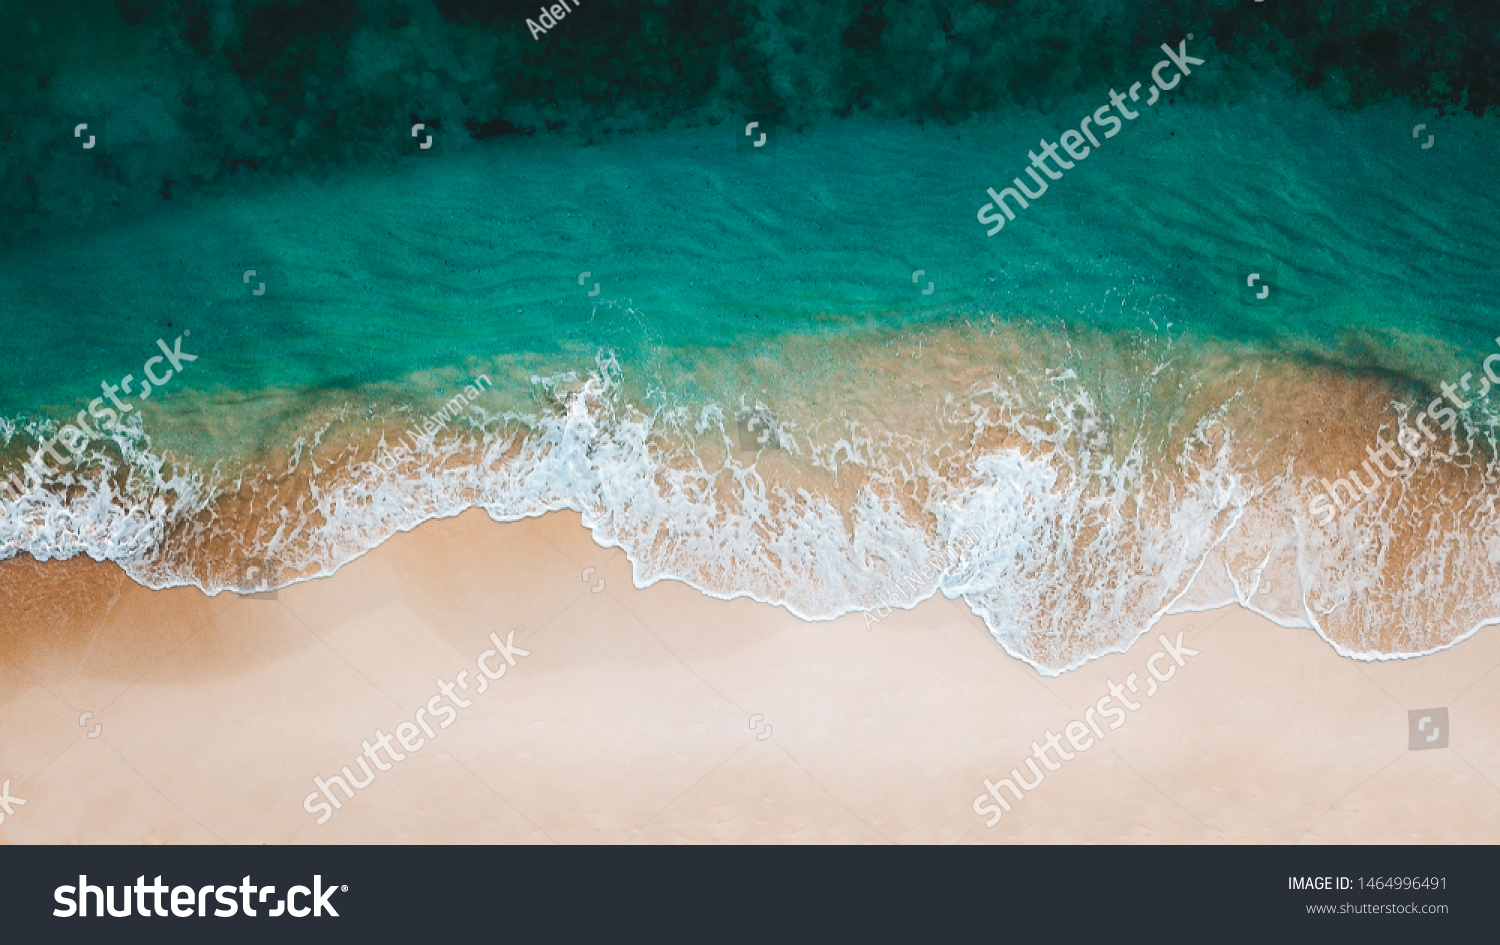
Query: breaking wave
[[1069, 528]]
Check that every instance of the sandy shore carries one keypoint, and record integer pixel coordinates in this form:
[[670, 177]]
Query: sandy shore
[[661, 715]]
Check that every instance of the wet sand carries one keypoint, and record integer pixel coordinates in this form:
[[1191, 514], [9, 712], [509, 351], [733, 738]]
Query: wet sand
[[906, 418], [662, 715]]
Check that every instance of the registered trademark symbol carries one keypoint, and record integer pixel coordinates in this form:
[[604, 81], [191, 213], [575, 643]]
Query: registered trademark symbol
[[344, 888]]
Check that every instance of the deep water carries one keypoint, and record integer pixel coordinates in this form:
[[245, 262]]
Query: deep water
[[1383, 252]]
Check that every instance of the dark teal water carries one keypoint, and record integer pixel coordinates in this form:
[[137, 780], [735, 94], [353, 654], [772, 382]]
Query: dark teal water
[[1379, 247]]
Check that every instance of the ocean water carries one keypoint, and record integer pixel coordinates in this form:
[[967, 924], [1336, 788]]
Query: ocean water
[[763, 400]]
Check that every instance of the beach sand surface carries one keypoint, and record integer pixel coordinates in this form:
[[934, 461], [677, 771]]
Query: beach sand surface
[[660, 715]]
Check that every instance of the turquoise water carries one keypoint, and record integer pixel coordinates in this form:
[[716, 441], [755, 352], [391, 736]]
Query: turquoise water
[[462, 254], [388, 289]]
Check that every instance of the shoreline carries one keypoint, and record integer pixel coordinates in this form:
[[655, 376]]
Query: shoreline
[[638, 712], [1074, 484]]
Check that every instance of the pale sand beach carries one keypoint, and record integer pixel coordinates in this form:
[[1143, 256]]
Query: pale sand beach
[[661, 715]]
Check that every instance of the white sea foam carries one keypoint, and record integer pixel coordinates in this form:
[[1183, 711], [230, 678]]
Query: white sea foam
[[111, 505], [1354, 581], [1083, 546]]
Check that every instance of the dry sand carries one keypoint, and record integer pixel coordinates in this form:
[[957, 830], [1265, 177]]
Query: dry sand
[[661, 715]]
